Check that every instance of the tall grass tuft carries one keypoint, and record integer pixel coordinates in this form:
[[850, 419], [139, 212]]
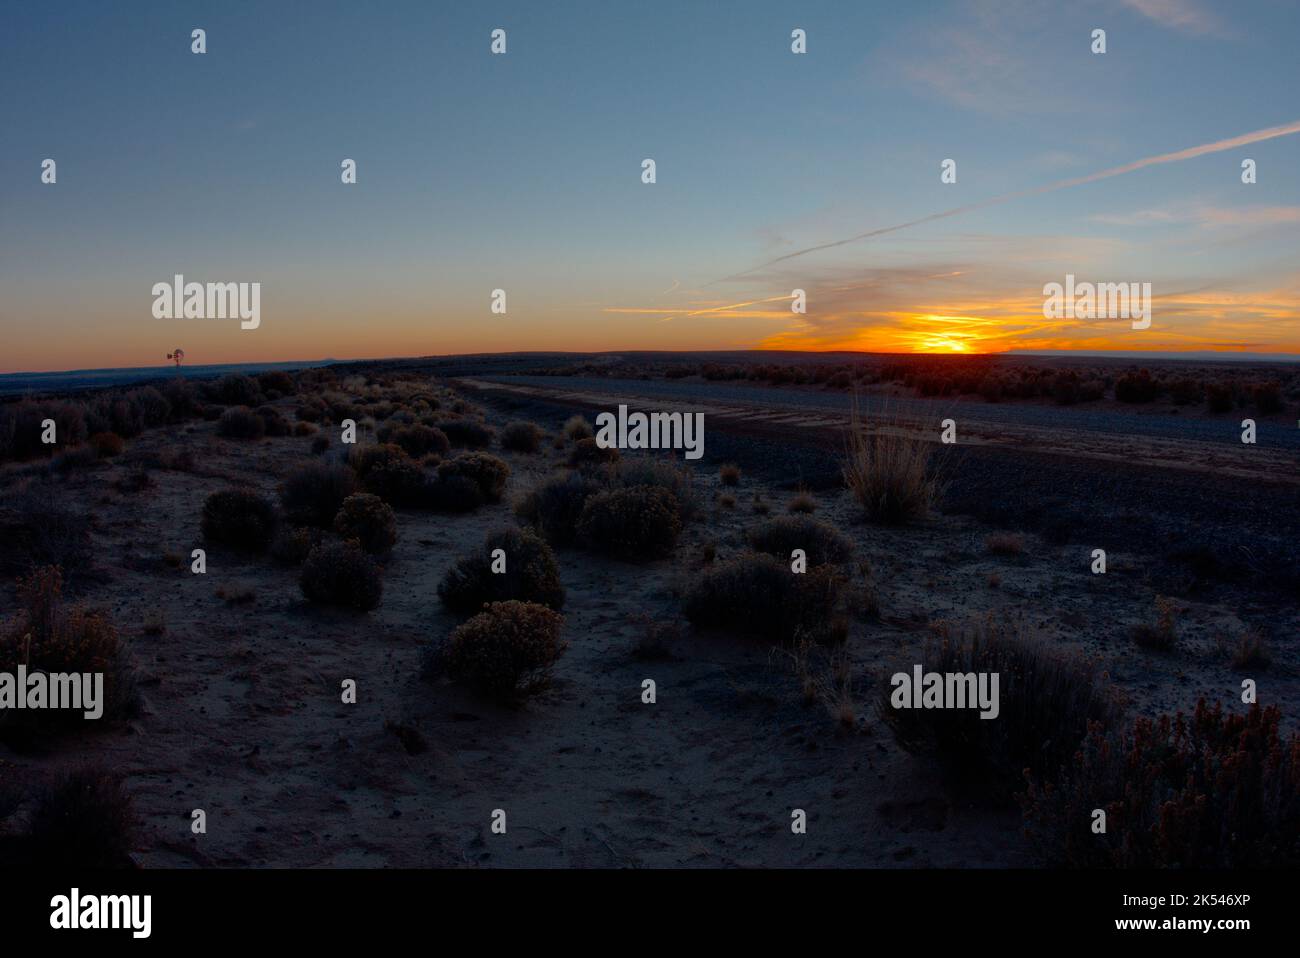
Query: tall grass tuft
[[889, 472]]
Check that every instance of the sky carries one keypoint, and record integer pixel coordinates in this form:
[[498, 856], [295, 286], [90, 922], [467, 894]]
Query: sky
[[523, 172]]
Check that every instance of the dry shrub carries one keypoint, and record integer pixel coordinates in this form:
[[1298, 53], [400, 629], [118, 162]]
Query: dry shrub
[[78, 457], [39, 527], [467, 433], [729, 475], [507, 650], [416, 440], [821, 542], [340, 573], [588, 453], [889, 473], [84, 820], [1163, 633], [292, 544], [577, 427], [1004, 544], [240, 422], [522, 436], [1205, 791], [240, 519], [51, 637], [487, 473], [234, 389], [387, 471], [555, 506], [636, 524], [755, 594], [315, 491], [319, 444], [369, 520], [275, 424], [531, 574], [107, 444], [658, 473], [1047, 699]]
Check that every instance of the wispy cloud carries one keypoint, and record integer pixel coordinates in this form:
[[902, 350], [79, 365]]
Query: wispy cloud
[[1187, 16], [1191, 152], [1206, 217]]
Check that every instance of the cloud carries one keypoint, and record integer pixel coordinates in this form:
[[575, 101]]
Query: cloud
[[1206, 217], [1186, 16], [1191, 152], [978, 56]]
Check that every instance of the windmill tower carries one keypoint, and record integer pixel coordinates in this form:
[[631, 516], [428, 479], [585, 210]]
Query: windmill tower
[[177, 356]]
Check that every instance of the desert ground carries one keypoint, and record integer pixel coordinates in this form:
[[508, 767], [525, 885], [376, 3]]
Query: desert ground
[[240, 675]]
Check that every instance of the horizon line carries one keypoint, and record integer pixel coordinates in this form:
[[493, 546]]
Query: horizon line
[[1186, 355]]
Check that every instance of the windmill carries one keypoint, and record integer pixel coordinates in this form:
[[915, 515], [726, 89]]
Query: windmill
[[177, 356]]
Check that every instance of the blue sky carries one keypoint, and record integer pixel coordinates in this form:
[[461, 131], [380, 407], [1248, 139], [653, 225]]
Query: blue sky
[[522, 172]]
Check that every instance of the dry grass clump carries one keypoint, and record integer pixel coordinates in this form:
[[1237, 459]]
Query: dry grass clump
[[240, 519], [758, 595], [820, 541], [530, 574], [369, 521], [506, 651], [1206, 791], [825, 676], [729, 474], [1047, 700], [889, 472], [340, 573], [803, 503], [1250, 651], [655, 637]]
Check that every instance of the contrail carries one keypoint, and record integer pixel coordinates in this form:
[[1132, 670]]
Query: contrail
[[1193, 151]]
